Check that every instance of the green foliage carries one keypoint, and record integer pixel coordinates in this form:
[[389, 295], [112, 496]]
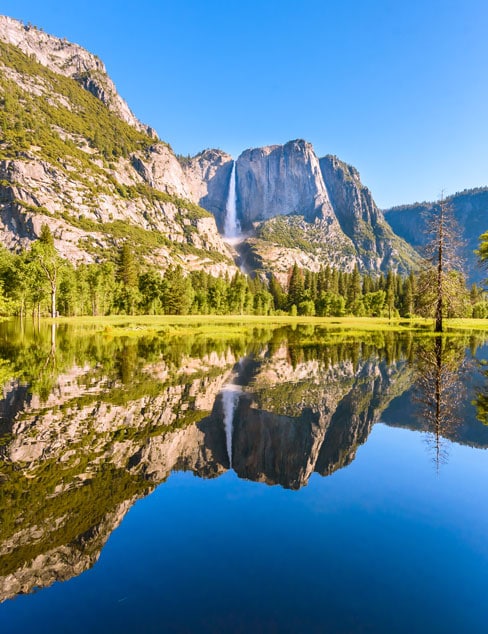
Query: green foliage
[[123, 284], [287, 231], [482, 251], [27, 120]]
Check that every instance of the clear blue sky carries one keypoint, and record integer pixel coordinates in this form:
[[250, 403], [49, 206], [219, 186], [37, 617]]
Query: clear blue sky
[[397, 88]]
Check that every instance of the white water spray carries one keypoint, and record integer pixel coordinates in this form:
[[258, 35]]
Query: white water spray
[[232, 227], [230, 396]]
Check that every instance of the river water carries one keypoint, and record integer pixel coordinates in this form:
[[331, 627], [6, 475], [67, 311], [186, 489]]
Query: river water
[[286, 480]]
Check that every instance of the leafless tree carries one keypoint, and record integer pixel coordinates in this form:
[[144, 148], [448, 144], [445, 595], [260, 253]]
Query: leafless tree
[[441, 281]]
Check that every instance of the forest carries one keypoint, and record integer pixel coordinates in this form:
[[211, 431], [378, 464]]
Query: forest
[[38, 281]]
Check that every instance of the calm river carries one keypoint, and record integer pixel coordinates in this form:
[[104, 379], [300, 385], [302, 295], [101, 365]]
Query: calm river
[[287, 480]]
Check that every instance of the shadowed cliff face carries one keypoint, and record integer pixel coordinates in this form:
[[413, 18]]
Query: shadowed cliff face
[[361, 220], [208, 176]]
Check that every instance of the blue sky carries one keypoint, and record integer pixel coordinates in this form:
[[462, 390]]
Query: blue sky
[[398, 89]]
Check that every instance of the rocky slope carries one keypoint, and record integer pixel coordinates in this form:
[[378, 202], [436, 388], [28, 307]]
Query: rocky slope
[[70, 60], [470, 210], [294, 207], [73, 156], [361, 220]]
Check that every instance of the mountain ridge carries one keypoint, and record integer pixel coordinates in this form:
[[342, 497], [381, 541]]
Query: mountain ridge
[[78, 160], [341, 224]]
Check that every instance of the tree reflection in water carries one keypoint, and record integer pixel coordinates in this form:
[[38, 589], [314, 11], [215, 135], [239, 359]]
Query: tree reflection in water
[[481, 400], [439, 391]]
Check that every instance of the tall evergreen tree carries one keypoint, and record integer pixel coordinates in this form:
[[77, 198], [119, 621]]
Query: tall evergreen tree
[[295, 287]]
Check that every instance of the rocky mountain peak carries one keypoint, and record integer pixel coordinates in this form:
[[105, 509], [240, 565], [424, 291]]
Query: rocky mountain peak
[[280, 180]]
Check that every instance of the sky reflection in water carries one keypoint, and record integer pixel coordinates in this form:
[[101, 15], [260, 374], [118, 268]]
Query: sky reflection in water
[[368, 531]]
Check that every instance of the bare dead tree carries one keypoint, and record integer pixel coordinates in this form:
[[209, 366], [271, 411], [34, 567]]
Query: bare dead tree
[[441, 281]]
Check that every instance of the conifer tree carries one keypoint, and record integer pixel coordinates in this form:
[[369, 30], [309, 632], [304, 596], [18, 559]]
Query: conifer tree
[[295, 287]]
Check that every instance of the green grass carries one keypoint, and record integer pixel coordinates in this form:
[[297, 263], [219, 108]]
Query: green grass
[[223, 325]]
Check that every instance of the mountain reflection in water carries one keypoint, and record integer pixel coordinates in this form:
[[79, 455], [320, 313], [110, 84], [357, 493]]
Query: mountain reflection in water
[[89, 424]]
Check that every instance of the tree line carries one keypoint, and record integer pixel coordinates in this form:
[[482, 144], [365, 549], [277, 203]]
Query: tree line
[[38, 281]]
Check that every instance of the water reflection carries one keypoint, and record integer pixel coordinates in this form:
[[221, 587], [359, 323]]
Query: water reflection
[[440, 391], [90, 423], [481, 400]]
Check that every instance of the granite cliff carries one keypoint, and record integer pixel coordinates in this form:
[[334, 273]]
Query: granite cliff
[[295, 207]]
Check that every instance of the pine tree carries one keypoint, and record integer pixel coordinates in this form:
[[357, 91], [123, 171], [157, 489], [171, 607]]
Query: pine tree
[[354, 290], [279, 296], [128, 269], [295, 287], [390, 293]]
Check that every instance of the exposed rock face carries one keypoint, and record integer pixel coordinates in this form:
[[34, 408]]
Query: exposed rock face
[[40, 192], [470, 210], [301, 210], [161, 170], [282, 241], [208, 175], [361, 220], [281, 180], [87, 179], [71, 60]]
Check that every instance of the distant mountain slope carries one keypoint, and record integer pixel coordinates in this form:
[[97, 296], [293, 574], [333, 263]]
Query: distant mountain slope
[[83, 164], [471, 211]]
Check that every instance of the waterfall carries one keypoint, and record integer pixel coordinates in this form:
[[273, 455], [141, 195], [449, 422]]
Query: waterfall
[[230, 396], [232, 228]]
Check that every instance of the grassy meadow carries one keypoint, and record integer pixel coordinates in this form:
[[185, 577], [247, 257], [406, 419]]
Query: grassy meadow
[[225, 325]]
